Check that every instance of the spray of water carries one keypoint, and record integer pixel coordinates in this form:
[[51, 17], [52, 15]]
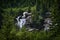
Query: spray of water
[[21, 22]]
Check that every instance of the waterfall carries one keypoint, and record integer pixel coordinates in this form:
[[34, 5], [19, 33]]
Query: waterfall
[[18, 22], [22, 21], [26, 20], [47, 21]]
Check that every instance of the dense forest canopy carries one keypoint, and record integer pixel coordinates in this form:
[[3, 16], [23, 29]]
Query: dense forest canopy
[[9, 9]]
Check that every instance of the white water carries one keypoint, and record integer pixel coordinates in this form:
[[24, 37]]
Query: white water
[[18, 22], [22, 21], [47, 24]]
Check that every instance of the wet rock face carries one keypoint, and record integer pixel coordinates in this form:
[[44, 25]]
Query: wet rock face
[[48, 14]]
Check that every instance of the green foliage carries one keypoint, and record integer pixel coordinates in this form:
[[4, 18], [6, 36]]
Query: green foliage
[[11, 9]]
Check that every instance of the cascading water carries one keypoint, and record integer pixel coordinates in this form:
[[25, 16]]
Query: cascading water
[[26, 19], [21, 22], [47, 21], [18, 22]]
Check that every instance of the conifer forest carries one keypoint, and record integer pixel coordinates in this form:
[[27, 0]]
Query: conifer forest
[[29, 20]]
